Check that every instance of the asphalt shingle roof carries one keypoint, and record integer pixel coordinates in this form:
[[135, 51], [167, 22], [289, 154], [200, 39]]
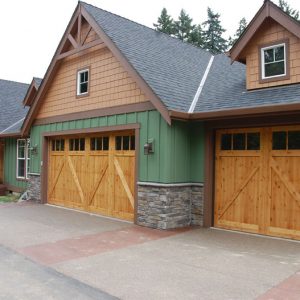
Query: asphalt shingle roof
[[173, 69], [225, 88], [12, 109]]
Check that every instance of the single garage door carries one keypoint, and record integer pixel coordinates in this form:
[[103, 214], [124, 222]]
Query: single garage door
[[257, 180], [95, 173]]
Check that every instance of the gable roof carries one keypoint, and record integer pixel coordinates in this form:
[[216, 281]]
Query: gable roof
[[12, 112], [268, 10], [167, 70], [173, 69]]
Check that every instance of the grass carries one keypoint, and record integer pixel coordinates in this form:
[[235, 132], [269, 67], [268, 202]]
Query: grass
[[9, 198]]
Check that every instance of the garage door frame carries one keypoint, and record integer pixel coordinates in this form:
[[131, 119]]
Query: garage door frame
[[107, 129], [211, 127]]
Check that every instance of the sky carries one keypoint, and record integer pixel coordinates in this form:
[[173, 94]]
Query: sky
[[31, 29]]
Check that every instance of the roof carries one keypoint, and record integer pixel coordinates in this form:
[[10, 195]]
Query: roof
[[12, 112], [38, 81], [268, 10], [173, 69], [231, 92]]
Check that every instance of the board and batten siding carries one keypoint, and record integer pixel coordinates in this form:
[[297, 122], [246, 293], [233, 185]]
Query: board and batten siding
[[10, 164], [179, 148]]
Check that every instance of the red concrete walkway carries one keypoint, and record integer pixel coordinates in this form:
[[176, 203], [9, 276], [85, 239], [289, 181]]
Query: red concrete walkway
[[87, 245], [289, 289]]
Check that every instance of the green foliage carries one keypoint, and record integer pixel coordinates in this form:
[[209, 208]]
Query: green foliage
[[196, 37], [165, 23], [212, 34], [184, 26], [242, 26], [287, 9]]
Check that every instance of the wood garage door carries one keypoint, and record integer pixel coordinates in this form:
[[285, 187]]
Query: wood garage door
[[95, 173], [257, 187]]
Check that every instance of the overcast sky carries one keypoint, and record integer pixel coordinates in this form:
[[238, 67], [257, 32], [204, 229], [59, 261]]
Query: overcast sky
[[32, 29]]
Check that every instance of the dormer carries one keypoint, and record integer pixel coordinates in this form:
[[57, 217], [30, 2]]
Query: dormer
[[270, 48]]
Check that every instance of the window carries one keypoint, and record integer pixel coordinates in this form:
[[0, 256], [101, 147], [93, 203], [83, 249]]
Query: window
[[83, 82], [273, 61], [100, 143], [286, 140], [126, 142], [77, 144], [58, 145], [240, 141], [23, 159]]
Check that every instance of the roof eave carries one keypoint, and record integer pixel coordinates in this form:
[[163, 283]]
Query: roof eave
[[237, 112]]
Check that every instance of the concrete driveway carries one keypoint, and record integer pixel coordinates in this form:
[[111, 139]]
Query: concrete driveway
[[52, 253]]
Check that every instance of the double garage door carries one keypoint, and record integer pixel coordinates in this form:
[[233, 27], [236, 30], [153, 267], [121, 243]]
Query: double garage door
[[257, 181], [95, 173]]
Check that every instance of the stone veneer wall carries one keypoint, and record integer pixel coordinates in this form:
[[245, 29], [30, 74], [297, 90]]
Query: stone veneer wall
[[34, 187], [169, 206]]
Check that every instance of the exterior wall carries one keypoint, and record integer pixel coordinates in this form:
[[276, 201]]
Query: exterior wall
[[167, 207], [34, 187], [110, 85], [271, 32], [178, 156], [10, 161]]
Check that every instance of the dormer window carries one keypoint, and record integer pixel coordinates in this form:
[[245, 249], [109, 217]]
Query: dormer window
[[274, 62], [83, 82]]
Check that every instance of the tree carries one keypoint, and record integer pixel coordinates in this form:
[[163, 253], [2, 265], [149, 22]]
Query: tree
[[183, 27], [242, 26], [196, 36], [287, 9], [165, 23], [212, 35]]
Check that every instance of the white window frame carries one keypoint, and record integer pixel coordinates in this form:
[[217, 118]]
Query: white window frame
[[262, 54], [26, 159], [79, 83]]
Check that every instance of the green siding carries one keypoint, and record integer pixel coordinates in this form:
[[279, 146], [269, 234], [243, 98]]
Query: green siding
[[178, 155], [10, 161]]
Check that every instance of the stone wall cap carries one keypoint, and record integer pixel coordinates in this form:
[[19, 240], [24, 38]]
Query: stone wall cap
[[158, 184]]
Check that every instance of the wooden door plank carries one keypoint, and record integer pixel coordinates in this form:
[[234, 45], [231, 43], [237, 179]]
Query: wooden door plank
[[76, 180], [56, 178], [102, 173], [284, 178], [238, 191], [124, 182]]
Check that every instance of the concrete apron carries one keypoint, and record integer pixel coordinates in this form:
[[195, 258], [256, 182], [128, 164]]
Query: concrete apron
[[132, 262]]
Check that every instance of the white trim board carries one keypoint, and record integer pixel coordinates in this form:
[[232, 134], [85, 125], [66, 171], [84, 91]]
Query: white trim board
[[203, 80]]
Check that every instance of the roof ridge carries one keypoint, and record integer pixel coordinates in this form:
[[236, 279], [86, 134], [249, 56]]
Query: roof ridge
[[158, 32]]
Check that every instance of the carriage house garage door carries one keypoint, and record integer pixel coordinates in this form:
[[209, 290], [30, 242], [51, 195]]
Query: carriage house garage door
[[258, 180], [95, 173]]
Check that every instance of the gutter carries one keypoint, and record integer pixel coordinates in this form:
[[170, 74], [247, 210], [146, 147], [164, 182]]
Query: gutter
[[238, 112]]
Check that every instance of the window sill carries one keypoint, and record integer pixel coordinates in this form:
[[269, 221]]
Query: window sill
[[273, 79], [82, 95], [22, 179]]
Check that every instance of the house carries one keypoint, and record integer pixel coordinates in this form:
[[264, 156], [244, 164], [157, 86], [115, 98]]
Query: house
[[137, 125]]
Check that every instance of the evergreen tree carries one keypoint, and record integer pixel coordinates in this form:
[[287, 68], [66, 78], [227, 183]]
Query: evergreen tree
[[238, 33], [212, 35], [196, 36], [164, 23], [183, 27], [287, 9]]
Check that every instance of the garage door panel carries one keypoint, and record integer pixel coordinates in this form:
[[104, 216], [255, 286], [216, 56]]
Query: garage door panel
[[89, 173], [259, 191], [124, 184]]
